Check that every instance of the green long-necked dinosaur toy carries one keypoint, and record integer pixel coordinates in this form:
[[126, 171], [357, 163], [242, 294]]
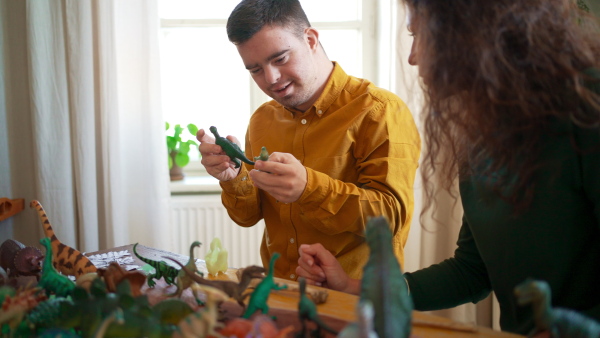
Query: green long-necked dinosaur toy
[[231, 149]]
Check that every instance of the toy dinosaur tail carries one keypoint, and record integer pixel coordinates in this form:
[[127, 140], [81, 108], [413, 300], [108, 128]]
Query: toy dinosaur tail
[[65, 259], [150, 262], [48, 231]]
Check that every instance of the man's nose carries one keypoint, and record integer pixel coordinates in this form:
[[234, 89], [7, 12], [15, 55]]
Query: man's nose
[[272, 74]]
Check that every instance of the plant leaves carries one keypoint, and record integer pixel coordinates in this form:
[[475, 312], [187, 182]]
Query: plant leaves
[[182, 159], [171, 143], [192, 128], [184, 147]]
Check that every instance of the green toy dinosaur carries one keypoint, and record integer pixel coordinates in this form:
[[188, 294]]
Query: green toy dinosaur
[[184, 278], [582, 5], [260, 295], [231, 149], [307, 310], [263, 156], [559, 322], [161, 270], [383, 283], [44, 316], [90, 313], [51, 280]]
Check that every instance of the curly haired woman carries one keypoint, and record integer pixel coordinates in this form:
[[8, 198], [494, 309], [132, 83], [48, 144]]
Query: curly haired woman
[[513, 95]]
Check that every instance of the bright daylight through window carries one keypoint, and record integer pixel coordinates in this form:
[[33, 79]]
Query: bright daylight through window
[[204, 81]]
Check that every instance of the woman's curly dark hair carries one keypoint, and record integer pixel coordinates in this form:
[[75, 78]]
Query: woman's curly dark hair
[[498, 72]]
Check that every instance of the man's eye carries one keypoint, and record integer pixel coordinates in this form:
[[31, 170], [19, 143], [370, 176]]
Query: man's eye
[[281, 59], [254, 70]]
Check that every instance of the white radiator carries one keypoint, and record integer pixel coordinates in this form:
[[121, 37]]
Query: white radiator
[[202, 218]]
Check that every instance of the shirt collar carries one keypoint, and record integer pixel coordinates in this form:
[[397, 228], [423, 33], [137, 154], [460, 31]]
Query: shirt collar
[[335, 84]]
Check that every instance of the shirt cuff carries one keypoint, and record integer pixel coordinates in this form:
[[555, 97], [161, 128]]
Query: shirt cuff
[[241, 184]]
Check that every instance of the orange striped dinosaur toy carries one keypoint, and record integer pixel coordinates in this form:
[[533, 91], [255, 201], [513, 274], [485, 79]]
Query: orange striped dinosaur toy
[[67, 260]]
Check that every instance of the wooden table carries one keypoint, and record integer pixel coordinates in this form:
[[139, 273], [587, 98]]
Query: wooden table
[[338, 310]]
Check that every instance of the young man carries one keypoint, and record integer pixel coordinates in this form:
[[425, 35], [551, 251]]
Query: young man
[[342, 150]]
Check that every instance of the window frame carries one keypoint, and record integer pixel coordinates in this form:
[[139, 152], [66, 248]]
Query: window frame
[[377, 43]]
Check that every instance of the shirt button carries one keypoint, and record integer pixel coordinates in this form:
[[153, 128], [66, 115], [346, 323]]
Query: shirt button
[[303, 121], [291, 240], [320, 112], [292, 276]]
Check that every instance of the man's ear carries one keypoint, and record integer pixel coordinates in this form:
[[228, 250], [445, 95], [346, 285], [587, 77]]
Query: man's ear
[[312, 38]]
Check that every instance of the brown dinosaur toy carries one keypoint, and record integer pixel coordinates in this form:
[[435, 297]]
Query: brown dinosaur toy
[[232, 289], [115, 274], [69, 261]]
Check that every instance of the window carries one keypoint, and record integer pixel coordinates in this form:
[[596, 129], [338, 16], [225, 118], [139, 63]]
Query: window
[[204, 80]]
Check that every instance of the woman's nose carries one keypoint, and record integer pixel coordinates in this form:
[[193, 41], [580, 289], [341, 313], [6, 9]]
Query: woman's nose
[[412, 57]]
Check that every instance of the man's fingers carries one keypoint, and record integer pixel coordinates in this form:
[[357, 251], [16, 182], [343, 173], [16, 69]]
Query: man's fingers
[[202, 136], [233, 139], [210, 149]]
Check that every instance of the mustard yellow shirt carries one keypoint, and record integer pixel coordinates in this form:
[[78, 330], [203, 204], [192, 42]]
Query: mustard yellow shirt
[[360, 147]]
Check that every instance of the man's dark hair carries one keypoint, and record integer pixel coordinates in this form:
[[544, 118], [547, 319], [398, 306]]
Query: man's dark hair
[[250, 16]]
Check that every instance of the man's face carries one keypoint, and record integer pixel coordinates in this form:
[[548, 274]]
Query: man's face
[[283, 65]]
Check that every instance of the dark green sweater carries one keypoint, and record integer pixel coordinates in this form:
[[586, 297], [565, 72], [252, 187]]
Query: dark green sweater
[[557, 239]]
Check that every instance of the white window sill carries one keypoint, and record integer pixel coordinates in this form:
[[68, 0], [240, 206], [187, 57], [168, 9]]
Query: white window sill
[[196, 185]]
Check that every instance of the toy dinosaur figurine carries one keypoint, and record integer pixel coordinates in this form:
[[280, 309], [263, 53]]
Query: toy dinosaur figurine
[[51, 280], [383, 283], [216, 258], [67, 260], [20, 260], [232, 289], [583, 6], [15, 307], [162, 270], [114, 274], [560, 322], [307, 310], [203, 323], [260, 295], [363, 328], [185, 278], [231, 149], [263, 156], [90, 311]]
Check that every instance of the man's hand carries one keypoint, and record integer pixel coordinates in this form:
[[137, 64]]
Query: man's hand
[[319, 267], [217, 164], [282, 176]]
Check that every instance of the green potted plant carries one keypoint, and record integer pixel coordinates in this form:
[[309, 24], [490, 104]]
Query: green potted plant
[[178, 149]]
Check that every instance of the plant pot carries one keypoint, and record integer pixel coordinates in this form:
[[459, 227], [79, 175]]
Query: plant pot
[[176, 172]]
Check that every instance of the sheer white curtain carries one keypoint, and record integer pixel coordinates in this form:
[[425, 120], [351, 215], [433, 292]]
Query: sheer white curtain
[[84, 130], [431, 240]]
